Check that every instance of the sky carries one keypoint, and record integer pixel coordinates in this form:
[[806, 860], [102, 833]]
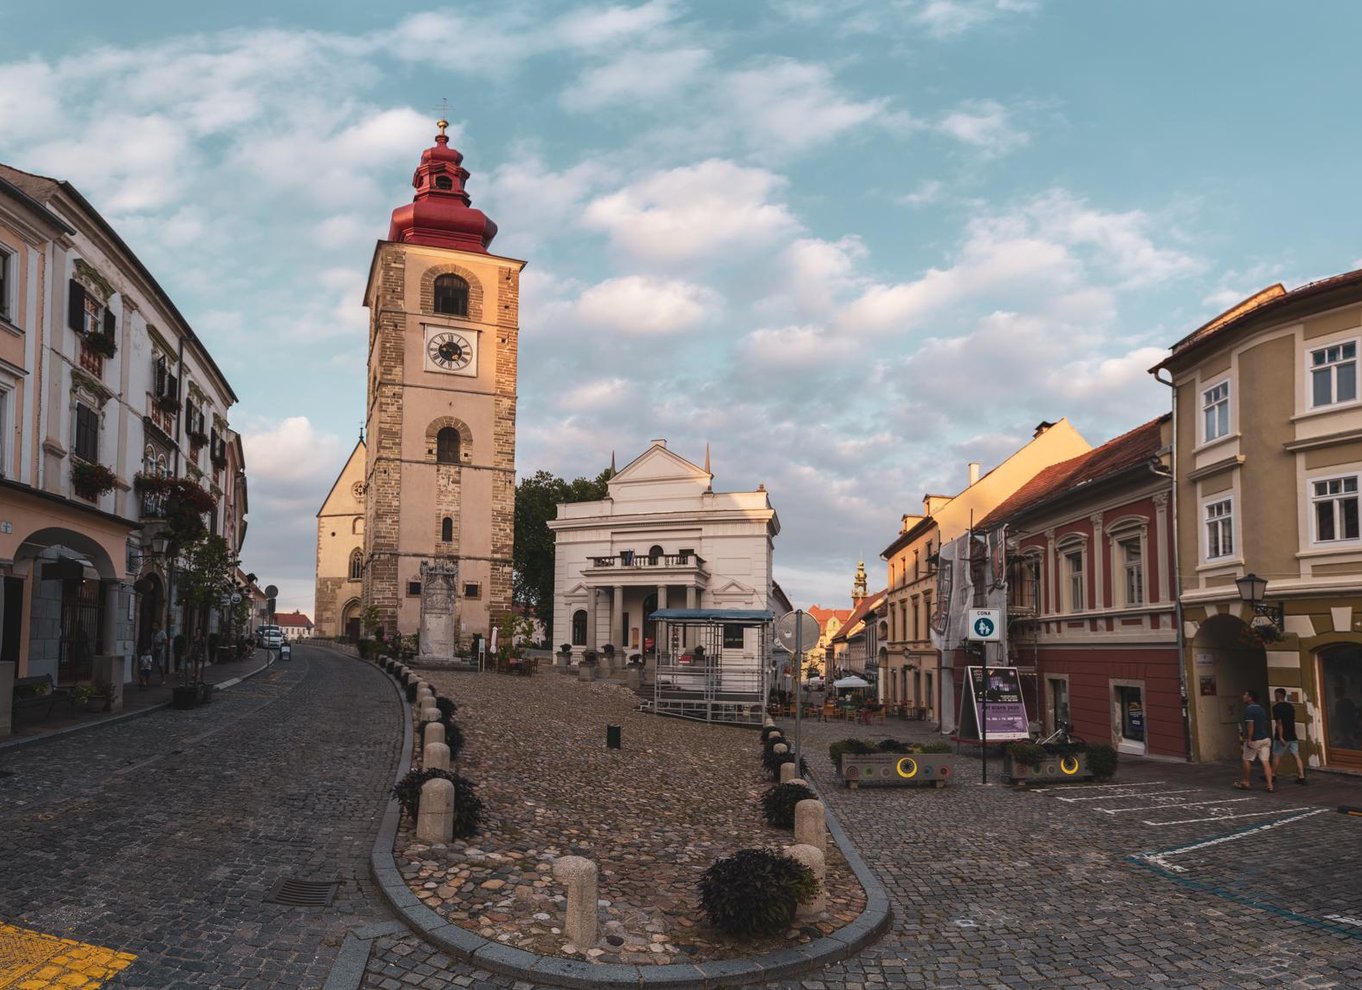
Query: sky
[[850, 245]]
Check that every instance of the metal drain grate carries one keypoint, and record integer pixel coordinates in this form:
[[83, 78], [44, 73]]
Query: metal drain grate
[[303, 893]]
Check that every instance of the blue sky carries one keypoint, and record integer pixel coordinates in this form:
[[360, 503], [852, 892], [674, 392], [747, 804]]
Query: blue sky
[[851, 245]]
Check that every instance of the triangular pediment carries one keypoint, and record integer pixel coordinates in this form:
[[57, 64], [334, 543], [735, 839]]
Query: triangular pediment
[[658, 468], [341, 499], [733, 589]]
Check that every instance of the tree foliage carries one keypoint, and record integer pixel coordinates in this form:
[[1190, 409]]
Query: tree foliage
[[536, 502]]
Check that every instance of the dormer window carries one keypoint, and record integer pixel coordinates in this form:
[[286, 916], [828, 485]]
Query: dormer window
[[451, 295]]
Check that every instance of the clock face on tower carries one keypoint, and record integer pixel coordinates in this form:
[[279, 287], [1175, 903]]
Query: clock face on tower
[[451, 351]]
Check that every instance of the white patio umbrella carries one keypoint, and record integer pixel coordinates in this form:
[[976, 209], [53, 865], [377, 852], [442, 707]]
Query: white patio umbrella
[[851, 681]]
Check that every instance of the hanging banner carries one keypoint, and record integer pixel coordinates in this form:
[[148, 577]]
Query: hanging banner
[[1005, 711]]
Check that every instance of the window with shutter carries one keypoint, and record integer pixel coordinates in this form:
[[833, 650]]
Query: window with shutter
[[87, 434], [75, 306]]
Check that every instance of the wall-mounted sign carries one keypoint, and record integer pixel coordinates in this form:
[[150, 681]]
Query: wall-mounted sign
[[984, 625]]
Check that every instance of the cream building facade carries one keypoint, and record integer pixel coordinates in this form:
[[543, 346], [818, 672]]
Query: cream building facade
[[912, 666], [1267, 419], [108, 398], [340, 553], [661, 538]]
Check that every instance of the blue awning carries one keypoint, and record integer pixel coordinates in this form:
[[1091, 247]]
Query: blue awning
[[737, 616]]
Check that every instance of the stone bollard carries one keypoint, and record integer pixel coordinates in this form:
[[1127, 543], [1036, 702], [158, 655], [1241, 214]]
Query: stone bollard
[[434, 732], [780, 748], [435, 756], [811, 823], [578, 874], [435, 814], [787, 774], [429, 714], [813, 859]]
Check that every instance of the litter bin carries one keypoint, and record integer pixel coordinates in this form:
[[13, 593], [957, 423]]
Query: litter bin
[[612, 737]]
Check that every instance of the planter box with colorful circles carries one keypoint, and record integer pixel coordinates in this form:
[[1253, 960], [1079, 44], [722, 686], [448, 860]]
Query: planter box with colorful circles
[[897, 770], [1055, 767]]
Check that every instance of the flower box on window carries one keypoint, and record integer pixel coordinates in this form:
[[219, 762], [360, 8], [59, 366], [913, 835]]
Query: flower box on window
[[90, 481], [102, 344], [168, 403]]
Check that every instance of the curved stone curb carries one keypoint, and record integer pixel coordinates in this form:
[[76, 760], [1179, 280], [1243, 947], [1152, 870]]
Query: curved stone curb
[[72, 730], [460, 943]]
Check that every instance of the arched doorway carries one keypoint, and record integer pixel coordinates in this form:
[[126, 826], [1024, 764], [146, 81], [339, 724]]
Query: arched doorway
[[71, 576], [151, 609], [1227, 660], [1340, 669], [349, 624]]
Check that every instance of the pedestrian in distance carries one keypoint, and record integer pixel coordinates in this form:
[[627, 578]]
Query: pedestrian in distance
[[1284, 735], [159, 641], [145, 666], [1257, 741]]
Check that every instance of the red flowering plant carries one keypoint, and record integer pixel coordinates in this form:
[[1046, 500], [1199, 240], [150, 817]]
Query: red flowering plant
[[91, 480]]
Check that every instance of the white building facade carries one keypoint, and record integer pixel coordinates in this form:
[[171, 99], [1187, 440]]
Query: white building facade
[[661, 538]]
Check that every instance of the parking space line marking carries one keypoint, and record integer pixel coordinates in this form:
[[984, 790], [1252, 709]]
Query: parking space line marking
[[1098, 787], [1226, 818], [1161, 858], [1171, 805], [1119, 797]]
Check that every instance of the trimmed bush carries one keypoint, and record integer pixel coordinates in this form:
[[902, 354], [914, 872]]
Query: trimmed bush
[[896, 746], [411, 689], [467, 804], [1102, 761], [935, 747], [755, 892], [447, 708], [776, 763], [778, 803]]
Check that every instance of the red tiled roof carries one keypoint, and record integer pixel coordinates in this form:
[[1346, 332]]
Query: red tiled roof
[[859, 613], [1113, 457], [1266, 300], [295, 619], [822, 615]]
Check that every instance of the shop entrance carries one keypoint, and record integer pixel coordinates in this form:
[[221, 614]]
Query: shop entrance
[[1340, 674], [1128, 716]]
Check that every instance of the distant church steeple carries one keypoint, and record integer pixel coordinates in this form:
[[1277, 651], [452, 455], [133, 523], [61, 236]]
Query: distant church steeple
[[858, 590], [441, 214]]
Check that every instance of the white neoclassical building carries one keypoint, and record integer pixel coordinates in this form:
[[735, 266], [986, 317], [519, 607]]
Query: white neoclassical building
[[661, 538]]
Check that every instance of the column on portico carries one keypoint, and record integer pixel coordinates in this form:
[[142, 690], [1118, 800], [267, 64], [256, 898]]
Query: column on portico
[[690, 597], [618, 634], [591, 642], [661, 596]]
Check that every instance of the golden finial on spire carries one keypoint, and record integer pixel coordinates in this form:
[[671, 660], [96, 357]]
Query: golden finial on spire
[[443, 122]]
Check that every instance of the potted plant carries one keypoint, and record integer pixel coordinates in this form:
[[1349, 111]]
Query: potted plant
[[564, 657], [586, 669], [101, 343]]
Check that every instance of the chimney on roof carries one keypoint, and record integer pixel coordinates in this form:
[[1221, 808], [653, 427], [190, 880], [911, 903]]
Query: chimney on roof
[[660, 442], [973, 473], [1041, 427]]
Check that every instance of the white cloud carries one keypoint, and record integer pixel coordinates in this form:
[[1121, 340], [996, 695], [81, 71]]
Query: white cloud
[[986, 125], [598, 396], [927, 192], [288, 454], [610, 26], [684, 214], [636, 304], [794, 348], [637, 77], [949, 18], [789, 106]]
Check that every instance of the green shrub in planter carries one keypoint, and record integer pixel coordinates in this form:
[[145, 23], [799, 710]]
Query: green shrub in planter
[[836, 750], [1026, 754], [755, 892], [778, 803], [447, 708], [896, 746], [1102, 761], [935, 747], [467, 804]]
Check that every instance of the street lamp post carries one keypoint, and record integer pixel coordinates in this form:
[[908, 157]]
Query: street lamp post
[[1252, 590]]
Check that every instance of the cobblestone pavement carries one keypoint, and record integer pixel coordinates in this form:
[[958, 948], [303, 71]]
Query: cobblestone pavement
[[161, 836]]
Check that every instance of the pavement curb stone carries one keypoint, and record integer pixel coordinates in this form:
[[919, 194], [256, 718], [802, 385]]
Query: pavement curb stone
[[460, 943]]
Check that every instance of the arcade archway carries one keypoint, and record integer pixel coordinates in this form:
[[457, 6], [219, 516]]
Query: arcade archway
[[1227, 660]]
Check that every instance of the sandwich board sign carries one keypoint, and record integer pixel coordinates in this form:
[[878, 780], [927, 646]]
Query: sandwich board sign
[[993, 703]]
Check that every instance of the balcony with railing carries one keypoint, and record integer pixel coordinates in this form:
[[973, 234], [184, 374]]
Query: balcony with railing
[[628, 567]]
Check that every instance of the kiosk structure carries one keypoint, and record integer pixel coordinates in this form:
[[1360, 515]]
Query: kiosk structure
[[713, 665]]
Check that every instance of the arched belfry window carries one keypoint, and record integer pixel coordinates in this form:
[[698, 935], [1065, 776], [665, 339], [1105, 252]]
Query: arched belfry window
[[451, 295], [447, 529], [444, 182], [447, 446], [356, 565], [579, 627]]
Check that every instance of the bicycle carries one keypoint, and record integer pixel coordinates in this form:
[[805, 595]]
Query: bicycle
[[1062, 736]]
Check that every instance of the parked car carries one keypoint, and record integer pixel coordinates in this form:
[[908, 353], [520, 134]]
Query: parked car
[[285, 651], [270, 637]]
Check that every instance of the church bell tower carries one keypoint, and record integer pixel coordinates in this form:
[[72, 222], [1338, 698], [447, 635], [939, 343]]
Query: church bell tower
[[440, 415]]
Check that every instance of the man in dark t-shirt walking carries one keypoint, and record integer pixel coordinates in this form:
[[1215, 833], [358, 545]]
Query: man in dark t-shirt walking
[[1257, 740], [1284, 734]]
